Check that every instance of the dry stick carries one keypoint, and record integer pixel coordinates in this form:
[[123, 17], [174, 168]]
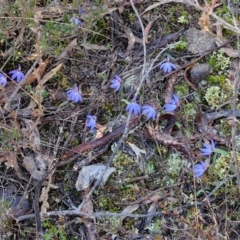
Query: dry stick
[[234, 104], [37, 215], [76, 212], [218, 186]]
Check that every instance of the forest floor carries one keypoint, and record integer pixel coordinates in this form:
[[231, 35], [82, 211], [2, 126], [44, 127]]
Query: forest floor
[[119, 119]]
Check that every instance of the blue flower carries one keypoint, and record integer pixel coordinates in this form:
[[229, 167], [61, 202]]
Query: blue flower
[[91, 121], [74, 95], [76, 21], [3, 79], [167, 66], [116, 83], [209, 148], [199, 169], [133, 107], [149, 111], [172, 104], [82, 10], [17, 74]]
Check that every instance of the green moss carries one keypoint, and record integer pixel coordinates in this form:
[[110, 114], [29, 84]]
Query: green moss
[[181, 46], [182, 90], [189, 110], [217, 80], [122, 161], [107, 203], [108, 109]]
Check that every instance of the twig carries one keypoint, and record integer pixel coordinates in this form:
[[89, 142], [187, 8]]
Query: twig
[[234, 105], [76, 212], [219, 185], [39, 230]]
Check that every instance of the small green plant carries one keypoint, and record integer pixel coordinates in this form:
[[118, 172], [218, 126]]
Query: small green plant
[[181, 46], [4, 207], [9, 137], [54, 231], [183, 19]]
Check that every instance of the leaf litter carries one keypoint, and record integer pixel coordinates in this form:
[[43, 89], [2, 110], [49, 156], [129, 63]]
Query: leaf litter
[[147, 197]]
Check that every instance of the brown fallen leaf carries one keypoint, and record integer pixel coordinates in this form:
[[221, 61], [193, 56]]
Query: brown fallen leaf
[[168, 93], [129, 209], [37, 73], [131, 41], [50, 74], [89, 46], [154, 198], [31, 132], [67, 50], [147, 29], [35, 166], [101, 141]]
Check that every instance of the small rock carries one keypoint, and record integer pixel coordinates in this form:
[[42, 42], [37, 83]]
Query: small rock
[[200, 71], [200, 41]]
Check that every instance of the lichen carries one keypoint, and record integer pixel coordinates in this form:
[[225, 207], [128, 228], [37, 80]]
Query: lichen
[[219, 62], [110, 223], [222, 168], [214, 96], [174, 164], [224, 128]]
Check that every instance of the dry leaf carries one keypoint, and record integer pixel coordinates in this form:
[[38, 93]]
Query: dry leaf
[[89, 46], [36, 167], [140, 161], [11, 159], [44, 194], [91, 173], [44, 199], [147, 29], [50, 74], [129, 209], [138, 151], [37, 73], [31, 132], [100, 131], [131, 41], [67, 50], [204, 22]]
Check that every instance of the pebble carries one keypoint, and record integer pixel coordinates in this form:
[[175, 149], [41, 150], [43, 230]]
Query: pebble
[[199, 41], [200, 71]]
